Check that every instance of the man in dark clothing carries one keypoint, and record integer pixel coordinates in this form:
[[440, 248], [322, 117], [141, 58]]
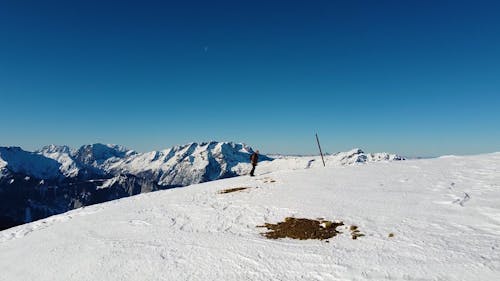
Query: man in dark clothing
[[254, 158]]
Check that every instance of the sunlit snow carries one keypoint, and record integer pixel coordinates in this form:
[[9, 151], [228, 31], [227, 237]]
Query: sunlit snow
[[196, 233]]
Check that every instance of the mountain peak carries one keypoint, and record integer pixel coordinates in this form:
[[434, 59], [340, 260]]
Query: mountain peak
[[97, 153], [54, 148], [20, 161]]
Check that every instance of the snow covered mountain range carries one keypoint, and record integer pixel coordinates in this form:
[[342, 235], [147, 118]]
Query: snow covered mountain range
[[55, 179]]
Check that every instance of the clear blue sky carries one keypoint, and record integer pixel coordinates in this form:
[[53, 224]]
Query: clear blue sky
[[412, 77]]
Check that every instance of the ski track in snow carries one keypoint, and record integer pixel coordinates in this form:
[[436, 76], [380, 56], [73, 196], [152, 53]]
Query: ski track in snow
[[444, 214]]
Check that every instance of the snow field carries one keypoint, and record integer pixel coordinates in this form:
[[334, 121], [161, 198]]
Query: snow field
[[444, 214]]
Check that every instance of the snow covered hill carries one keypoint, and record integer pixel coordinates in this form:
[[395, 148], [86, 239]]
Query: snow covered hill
[[432, 219], [55, 179]]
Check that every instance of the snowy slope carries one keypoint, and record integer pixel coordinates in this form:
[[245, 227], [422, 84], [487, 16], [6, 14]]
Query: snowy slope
[[90, 160], [444, 214], [64, 155], [19, 161], [58, 162], [99, 156]]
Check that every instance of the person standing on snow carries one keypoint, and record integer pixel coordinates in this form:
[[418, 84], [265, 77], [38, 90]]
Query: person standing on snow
[[254, 158]]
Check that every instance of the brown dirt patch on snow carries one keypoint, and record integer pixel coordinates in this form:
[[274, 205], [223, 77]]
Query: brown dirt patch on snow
[[301, 228], [355, 233], [229, 190]]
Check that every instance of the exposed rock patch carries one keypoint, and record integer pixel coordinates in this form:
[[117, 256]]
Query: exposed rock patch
[[229, 190], [301, 228]]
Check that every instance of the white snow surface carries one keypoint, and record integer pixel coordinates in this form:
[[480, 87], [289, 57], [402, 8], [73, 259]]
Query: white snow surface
[[444, 213]]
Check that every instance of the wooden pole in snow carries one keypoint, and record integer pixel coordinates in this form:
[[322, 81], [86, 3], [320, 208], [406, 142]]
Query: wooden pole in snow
[[320, 152]]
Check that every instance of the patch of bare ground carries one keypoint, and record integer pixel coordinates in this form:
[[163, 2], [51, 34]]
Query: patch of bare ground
[[267, 180], [301, 228], [229, 190], [355, 233]]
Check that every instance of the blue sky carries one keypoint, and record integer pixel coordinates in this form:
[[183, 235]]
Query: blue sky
[[419, 78]]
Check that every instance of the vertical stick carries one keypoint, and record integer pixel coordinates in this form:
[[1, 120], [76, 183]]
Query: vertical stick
[[320, 152]]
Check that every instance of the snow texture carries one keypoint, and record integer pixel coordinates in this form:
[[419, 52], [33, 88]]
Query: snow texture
[[444, 215]]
